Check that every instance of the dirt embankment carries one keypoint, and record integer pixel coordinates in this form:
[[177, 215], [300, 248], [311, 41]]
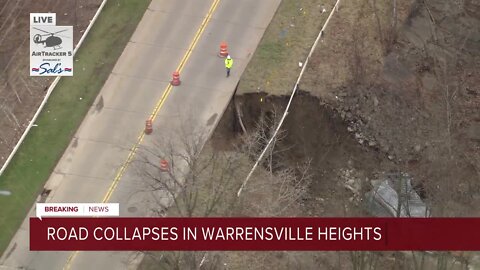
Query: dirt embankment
[[382, 95], [20, 94], [421, 108]]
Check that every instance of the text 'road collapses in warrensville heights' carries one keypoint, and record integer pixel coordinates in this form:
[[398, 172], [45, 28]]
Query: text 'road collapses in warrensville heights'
[[217, 233]]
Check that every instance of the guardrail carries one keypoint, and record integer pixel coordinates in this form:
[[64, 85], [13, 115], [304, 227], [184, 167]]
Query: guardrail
[[49, 92], [335, 8]]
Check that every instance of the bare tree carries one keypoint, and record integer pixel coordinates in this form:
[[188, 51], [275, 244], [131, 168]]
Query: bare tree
[[201, 181], [194, 182], [278, 186], [186, 179]]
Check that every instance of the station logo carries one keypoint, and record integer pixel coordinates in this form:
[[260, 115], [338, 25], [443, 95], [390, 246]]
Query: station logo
[[51, 46]]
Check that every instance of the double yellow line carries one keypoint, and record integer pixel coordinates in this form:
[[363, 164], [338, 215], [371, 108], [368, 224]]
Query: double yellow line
[[154, 114]]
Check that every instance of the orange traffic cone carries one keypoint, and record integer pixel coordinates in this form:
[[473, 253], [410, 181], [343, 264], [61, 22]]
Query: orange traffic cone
[[223, 49], [176, 79], [148, 127]]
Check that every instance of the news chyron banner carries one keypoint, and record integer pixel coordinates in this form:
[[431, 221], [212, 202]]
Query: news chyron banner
[[51, 46], [64, 227]]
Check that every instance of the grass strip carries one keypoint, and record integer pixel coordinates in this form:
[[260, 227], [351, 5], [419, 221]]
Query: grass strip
[[287, 40]]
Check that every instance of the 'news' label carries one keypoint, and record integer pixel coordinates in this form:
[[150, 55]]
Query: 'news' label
[[77, 209]]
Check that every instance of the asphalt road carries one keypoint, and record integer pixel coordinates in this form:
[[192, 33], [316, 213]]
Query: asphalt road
[[173, 34]]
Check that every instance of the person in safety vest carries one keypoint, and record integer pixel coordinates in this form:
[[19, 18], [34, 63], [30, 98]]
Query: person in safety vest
[[228, 64]]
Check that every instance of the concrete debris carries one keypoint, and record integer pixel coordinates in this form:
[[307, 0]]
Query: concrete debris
[[417, 148], [383, 200], [375, 101], [351, 182]]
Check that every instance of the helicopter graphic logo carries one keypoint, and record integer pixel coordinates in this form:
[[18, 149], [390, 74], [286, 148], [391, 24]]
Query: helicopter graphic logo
[[52, 39]]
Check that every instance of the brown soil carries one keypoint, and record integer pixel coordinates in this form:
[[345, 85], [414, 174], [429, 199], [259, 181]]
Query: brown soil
[[20, 94]]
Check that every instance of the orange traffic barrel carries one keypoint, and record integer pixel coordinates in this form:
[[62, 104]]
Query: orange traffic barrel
[[164, 165], [176, 79], [223, 49], [148, 127]]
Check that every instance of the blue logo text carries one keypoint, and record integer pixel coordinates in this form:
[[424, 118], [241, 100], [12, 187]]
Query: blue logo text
[[57, 69]]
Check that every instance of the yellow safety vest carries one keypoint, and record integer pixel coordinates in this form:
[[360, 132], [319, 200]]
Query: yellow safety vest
[[228, 63]]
